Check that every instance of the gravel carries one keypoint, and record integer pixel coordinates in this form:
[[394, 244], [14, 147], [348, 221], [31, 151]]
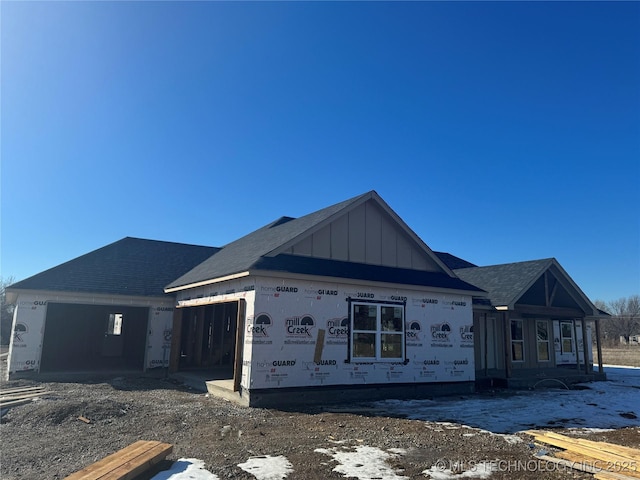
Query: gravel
[[46, 439]]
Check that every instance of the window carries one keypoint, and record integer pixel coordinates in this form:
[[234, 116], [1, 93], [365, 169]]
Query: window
[[566, 334], [377, 332], [517, 341], [542, 336], [114, 327]]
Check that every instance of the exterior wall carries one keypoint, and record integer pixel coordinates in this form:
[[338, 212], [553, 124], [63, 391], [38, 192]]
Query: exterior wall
[[283, 352], [492, 363], [29, 326]]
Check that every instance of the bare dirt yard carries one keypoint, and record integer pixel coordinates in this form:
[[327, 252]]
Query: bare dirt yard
[[45, 439]]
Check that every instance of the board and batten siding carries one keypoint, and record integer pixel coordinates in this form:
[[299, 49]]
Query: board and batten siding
[[365, 235]]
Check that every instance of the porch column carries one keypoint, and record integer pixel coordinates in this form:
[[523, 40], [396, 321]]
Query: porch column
[[599, 346], [507, 344], [585, 348]]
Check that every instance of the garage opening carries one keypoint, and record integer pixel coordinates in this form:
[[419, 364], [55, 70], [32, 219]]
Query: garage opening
[[80, 338]]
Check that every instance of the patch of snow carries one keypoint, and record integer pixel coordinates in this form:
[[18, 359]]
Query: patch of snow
[[478, 470], [598, 406], [267, 467], [366, 463], [186, 469]]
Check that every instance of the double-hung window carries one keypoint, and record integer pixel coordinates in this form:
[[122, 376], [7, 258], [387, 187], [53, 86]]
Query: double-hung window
[[542, 337], [517, 341], [377, 332]]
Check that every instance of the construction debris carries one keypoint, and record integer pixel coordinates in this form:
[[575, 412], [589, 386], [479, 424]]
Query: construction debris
[[606, 461], [18, 396]]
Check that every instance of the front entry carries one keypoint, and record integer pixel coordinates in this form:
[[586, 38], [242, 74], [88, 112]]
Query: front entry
[[206, 339]]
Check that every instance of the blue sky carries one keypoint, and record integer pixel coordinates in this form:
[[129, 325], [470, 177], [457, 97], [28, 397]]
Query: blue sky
[[499, 132]]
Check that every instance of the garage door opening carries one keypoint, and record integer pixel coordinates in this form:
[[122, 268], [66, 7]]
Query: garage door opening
[[85, 338]]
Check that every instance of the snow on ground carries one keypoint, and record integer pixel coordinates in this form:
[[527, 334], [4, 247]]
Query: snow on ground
[[365, 463], [611, 404], [599, 406], [186, 469], [267, 467]]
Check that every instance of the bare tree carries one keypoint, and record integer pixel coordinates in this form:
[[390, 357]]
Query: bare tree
[[6, 313], [625, 317]]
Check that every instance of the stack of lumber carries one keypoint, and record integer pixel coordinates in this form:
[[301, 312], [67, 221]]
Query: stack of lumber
[[17, 396], [127, 463], [607, 461]]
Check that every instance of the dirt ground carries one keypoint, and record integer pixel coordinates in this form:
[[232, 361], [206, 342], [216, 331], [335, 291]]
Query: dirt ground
[[46, 440]]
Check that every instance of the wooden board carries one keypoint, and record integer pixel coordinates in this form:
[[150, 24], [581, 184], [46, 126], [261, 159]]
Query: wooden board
[[609, 459], [125, 464]]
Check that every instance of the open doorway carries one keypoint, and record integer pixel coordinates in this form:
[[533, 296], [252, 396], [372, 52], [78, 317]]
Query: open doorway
[[208, 340]]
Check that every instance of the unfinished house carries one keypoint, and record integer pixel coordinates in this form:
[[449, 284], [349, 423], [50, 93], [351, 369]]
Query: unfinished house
[[343, 303]]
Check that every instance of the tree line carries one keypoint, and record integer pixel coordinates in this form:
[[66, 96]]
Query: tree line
[[624, 321]]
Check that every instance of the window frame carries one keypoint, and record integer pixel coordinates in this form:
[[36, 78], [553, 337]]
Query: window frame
[[378, 333], [517, 341], [547, 341], [115, 321], [563, 338]]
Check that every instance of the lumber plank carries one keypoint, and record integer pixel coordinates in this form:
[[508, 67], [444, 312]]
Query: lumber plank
[[104, 466], [126, 463], [10, 391], [598, 465], [589, 451], [135, 467], [15, 403], [630, 452], [611, 476], [583, 467], [8, 398], [592, 452]]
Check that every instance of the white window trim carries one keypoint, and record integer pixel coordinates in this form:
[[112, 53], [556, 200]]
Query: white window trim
[[517, 341], [378, 332], [547, 341]]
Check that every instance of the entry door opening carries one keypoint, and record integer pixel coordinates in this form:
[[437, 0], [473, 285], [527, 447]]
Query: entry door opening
[[208, 338]]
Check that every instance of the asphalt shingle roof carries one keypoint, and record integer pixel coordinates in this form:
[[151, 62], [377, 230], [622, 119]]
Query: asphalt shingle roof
[[242, 254], [131, 266], [505, 283]]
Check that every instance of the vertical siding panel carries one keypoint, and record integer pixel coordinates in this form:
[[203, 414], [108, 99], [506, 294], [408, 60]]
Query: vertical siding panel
[[357, 227], [373, 238], [322, 243], [304, 247], [403, 251], [389, 244], [340, 239]]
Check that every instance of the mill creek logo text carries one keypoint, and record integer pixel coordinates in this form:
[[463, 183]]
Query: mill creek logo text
[[466, 336], [257, 330], [299, 326], [440, 335]]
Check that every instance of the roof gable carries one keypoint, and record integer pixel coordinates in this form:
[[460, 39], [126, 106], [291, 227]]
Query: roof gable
[[131, 266], [538, 282], [329, 230], [366, 232]]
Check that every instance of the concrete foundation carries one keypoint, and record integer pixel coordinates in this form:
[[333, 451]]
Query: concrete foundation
[[306, 396]]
